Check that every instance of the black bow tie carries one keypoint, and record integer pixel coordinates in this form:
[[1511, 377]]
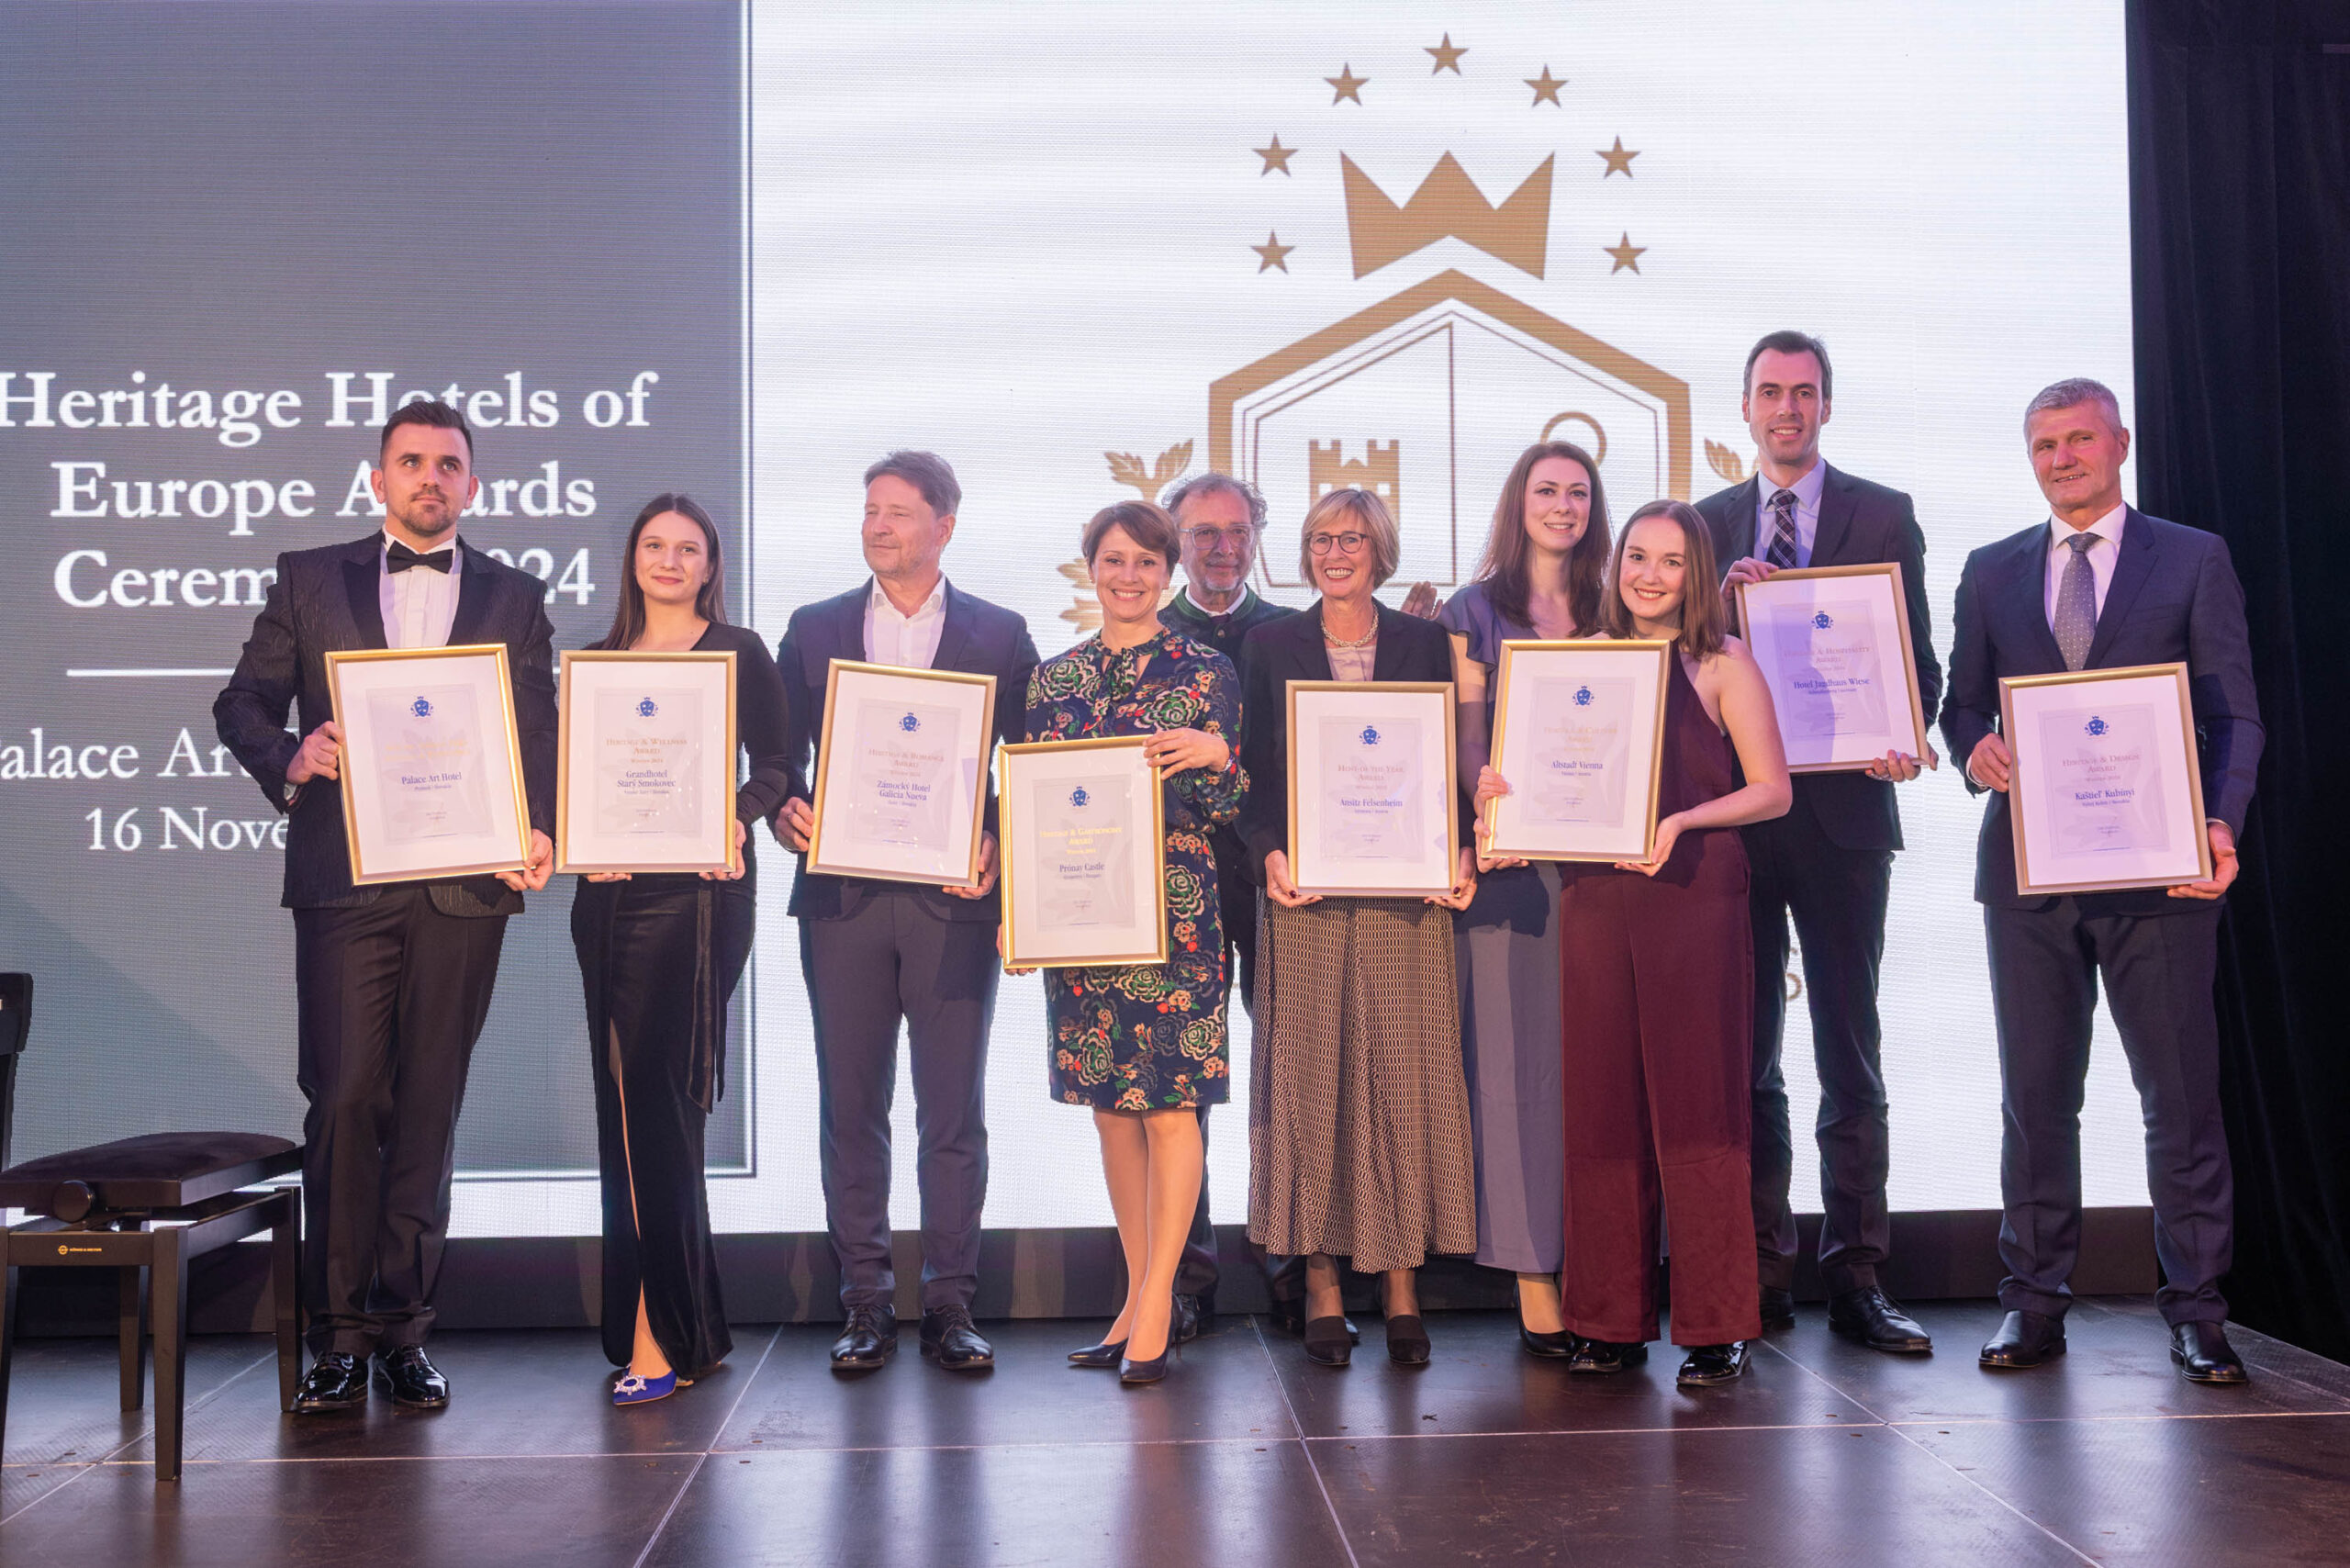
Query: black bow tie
[[399, 558]]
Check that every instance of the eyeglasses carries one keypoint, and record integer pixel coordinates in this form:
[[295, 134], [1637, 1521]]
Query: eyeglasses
[[1345, 544], [1208, 538]]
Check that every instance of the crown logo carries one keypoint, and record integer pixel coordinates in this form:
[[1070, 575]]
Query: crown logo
[[1448, 206]]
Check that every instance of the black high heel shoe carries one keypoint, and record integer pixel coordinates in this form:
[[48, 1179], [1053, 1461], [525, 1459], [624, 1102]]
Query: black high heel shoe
[[1152, 1371], [1108, 1353], [1559, 1346]]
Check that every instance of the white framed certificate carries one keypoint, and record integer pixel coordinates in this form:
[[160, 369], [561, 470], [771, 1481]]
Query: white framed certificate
[[1834, 645], [902, 773], [432, 770], [1579, 734], [1085, 852], [645, 772], [2107, 791], [1372, 792]]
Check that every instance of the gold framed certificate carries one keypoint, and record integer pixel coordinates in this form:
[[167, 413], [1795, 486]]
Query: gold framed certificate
[[644, 774], [2107, 791], [1833, 642], [1579, 734], [1373, 803], [431, 770], [901, 776], [1085, 852]]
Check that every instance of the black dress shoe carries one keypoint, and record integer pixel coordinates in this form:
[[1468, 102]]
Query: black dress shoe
[[1601, 1356], [1288, 1315], [869, 1339], [949, 1339], [411, 1378], [1552, 1347], [1407, 1340], [335, 1382], [1778, 1307], [2024, 1339], [1708, 1366], [1330, 1341], [2204, 1355], [1869, 1315], [1108, 1353], [1191, 1315]]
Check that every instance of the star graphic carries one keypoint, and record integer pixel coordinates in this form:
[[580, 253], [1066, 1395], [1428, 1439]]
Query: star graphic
[[1273, 253], [1619, 162], [1345, 84], [1627, 254], [1546, 89], [1447, 57], [1275, 157]]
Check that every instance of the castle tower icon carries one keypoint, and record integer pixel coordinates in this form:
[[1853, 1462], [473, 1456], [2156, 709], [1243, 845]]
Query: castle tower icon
[[1379, 470]]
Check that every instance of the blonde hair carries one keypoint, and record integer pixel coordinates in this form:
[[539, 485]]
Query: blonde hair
[[1371, 514]]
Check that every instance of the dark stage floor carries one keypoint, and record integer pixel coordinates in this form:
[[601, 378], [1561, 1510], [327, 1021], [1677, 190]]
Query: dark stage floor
[[1825, 1454]]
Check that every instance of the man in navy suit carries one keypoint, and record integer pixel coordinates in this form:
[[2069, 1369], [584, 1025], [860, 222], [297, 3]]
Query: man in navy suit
[[879, 954], [1828, 862], [2102, 586], [392, 983]]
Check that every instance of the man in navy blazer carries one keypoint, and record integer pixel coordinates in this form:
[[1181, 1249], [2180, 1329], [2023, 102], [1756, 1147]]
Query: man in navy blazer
[[1827, 864], [392, 983], [2102, 586], [877, 954]]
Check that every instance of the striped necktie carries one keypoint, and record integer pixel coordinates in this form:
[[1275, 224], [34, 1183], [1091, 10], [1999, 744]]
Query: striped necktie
[[1782, 530], [2076, 625]]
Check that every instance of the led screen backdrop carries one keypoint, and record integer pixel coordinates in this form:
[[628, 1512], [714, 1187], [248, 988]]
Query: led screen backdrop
[[1077, 250]]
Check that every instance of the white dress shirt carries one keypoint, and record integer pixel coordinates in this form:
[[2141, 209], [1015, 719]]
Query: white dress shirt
[[2102, 556], [911, 641], [418, 604], [1766, 521]]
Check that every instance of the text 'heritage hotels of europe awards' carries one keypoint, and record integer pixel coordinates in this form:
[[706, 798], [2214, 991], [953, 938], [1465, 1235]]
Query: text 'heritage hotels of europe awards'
[[1578, 733], [900, 774], [2108, 790], [1372, 802], [1084, 847], [1833, 645], [432, 776], [645, 775]]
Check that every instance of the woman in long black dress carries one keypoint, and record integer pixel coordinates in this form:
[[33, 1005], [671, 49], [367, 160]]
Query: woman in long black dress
[[660, 956]]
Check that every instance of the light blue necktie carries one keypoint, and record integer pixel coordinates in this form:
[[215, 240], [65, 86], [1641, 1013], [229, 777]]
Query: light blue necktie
[[2076, 624]]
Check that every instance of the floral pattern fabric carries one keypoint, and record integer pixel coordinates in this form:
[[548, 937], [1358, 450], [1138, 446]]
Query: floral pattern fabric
[[1149, 1036]]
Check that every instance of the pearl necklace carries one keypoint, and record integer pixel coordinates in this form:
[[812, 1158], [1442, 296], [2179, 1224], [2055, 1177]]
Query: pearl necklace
[[1333, 640]]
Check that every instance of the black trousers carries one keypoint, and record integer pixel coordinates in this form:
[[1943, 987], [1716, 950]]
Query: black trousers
[[2157, 969], [390, 997], [893, 961], [1837, 898]]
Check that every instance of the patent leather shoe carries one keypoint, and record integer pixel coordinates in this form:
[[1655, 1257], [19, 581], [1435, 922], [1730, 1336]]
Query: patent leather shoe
[[1152, 1371], [950, 1338], [2203, 1354], [1191, 1315], [2024, 1339], [1602, 1357], [1708, 1366], [1407, 1340], [1330, 1341], [1558, 1347], [1869, 1315], [335, 1382], [408, 1374], [1107, 1354], [867, 1339], [1778, 1306]]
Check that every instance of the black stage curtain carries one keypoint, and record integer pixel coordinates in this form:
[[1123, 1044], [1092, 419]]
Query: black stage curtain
[[2239, 219]]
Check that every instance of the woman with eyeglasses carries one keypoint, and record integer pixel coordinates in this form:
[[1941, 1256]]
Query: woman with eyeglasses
[[1358, 1117]]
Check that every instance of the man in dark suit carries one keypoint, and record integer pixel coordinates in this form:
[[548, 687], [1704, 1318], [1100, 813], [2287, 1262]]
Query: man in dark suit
[[2102, 586], [1220, 520], [392, 982], [877, 954], [1828, 862]]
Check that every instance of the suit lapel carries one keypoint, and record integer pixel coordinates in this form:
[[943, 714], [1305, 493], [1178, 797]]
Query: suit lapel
[[956, 632], [2026, 590], [1836, 509], [848, 625], [475, 591], [1305, 641], [2135, 565], [1743, 502], [363, 574], [1390, 651]]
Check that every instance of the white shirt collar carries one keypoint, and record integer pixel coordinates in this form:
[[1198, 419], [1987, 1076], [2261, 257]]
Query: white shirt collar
[[1807, 489], [2108, 527], [1231, 609], [877, 599], [386, 540]]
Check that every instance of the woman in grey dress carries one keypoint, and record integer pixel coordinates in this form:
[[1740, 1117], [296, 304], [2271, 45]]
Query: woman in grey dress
[[1540, 578]]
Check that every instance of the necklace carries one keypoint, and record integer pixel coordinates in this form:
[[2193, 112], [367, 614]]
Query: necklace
[[1334, 641]]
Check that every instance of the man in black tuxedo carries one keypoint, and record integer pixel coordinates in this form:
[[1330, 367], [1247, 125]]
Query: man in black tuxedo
[[879, 954], [392, 982], [2102, 586], [1220, 520], [1828, 862]]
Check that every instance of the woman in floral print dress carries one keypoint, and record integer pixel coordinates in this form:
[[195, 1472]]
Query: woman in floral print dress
[[1144, 1045]]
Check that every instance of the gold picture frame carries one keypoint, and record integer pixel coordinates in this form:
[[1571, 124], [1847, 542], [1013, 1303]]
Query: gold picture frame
[[1656, 652], [1439, 696], [1890, 571], [1014, 759], [820, 862], [362, 874], [722, 779], [2023, 786]]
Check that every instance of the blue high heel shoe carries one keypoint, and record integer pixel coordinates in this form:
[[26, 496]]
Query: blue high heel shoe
[[634, 1390]]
